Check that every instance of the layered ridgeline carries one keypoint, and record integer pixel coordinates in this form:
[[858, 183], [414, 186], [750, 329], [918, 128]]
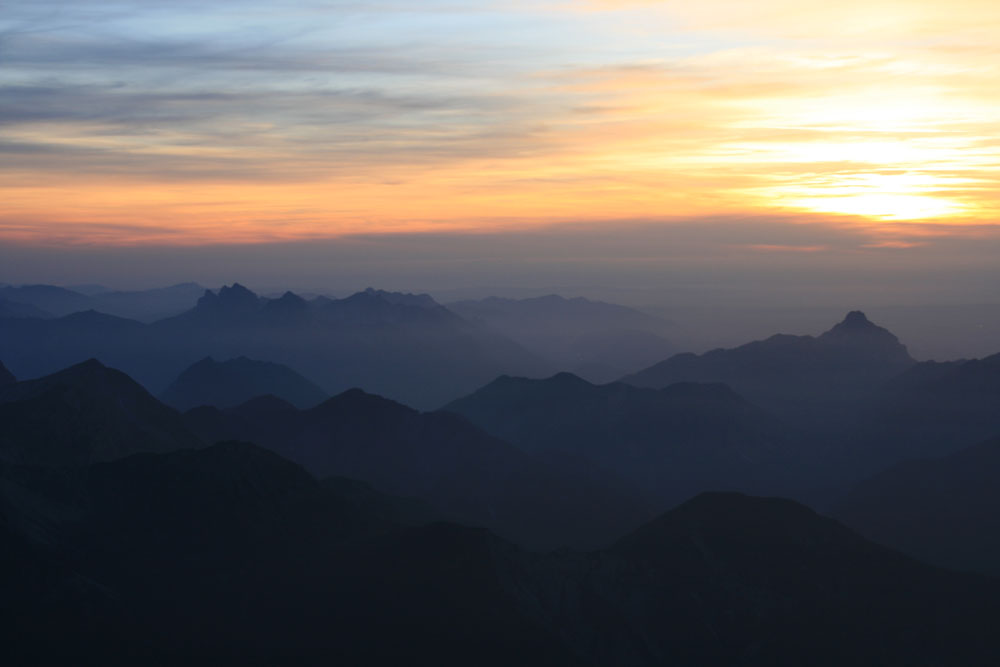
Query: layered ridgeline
[[51, 301], [441, 459], [232, 555], [794, 373], [944, 511], [404, 346], [132, 543], [82, 414], [670, 443], [933, 409], [226, 384], [596, 340]]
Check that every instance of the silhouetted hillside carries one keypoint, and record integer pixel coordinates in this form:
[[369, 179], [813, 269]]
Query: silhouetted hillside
[[671, 443], [794, 373], [231, 555], [598, 340], [13, 309], [931, 410], [943, 511], [85, 413], [55, 300], [441, 459], [6, 377], [226, 384]]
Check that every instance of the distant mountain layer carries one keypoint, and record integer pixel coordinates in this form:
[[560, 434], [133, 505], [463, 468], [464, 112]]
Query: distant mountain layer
[[944, 511], [14, 309], [671, 443], [144, 305], [231, 555], [83, 414], [225, 384], [403, 346], [440, 459], [848, 361], [598, 340]]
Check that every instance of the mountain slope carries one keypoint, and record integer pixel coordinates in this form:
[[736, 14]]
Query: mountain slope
[[85, 413], [229, 383], [441, 459], [231, 555], [931, 410], [944, 511], [670, 443], [6, 377]]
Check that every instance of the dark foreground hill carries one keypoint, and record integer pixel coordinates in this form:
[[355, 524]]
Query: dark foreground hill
[[231, 555], [6, 377], [85, 413], [225, 384], [944, 511], [671, 443], [440, 459]]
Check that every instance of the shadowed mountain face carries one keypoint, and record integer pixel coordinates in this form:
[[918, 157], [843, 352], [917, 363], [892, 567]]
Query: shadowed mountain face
[[943, 511], [231, 555], [6, 377], [597, 340], [226, 384], [441, 459], [794, 373], [403, 346], [671, 443], [931, 410], [85, 413], [13, 309]]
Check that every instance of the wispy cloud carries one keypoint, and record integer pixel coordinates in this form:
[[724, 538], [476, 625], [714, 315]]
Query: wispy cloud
[[262, 120]]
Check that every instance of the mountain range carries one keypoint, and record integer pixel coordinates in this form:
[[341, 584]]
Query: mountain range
[[404, 346], [440, 459], [226, 384], [596, 340]]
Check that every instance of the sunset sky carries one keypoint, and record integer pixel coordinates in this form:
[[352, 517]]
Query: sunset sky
[[774, 127]]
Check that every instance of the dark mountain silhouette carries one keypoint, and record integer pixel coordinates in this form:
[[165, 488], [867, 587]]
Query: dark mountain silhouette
[[231, 555], [597, 340], [226, 384], [944, 511], [729, 579], [794, 373], [13, 309], [85, 413], [440, 459], [403, 346], [49, 298], [6, 377], [931, 410], [670, 443]]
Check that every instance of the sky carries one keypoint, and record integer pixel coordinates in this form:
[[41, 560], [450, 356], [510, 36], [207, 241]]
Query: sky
[[781, 146]]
